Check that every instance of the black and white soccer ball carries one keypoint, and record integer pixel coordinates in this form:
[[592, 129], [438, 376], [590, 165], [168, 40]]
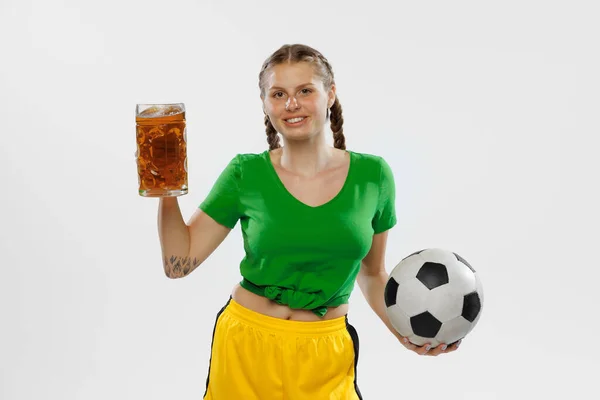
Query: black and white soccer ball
[[433, 296]]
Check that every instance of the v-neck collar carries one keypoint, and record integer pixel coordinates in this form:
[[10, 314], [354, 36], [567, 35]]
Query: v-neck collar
[[279, 182]]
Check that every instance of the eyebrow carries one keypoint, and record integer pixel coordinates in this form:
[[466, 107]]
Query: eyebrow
[[298, 87]]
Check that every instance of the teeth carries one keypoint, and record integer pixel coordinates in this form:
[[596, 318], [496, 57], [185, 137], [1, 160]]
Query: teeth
[[294, 120]]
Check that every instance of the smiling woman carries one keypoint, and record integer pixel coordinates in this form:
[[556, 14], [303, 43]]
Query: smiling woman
[[314, 221]]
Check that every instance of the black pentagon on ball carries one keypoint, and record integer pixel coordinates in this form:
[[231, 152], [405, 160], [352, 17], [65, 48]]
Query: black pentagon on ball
[[390, 292], [433, 274], [425, 325], [462, 260], [471, 306]]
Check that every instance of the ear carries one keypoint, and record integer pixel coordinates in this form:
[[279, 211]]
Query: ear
[[331, 96]]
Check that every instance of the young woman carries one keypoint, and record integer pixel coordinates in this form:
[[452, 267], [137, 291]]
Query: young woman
[[314, 220]]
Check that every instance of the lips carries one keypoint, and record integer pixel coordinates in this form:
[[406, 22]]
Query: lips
[[294, 119], [299, 122]]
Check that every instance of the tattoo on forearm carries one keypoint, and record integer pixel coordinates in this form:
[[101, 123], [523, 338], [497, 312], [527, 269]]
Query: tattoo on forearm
[[180, 266]]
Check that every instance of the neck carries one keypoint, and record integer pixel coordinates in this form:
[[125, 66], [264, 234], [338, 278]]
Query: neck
[[306, 158]]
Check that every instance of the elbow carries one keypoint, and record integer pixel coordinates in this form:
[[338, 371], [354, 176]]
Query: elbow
[[179, 267], [175, 275], [170, 275], [177, 272]]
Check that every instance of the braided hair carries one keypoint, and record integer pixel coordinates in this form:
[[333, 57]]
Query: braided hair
[[301, 53]]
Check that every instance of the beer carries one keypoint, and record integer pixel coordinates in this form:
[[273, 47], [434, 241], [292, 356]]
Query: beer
[[161, 150]]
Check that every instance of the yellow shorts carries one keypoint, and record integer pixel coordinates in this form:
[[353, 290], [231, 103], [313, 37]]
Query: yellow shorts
[[257, 357]]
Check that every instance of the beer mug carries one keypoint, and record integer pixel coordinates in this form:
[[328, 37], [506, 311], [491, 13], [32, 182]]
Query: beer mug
[[161, 150]]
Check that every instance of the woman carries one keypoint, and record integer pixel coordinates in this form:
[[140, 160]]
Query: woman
[[314, 220]]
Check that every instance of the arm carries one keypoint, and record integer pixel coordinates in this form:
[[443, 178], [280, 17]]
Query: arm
[[185, 246], [372, 279]]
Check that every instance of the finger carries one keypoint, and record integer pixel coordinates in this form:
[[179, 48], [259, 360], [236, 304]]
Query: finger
[[453, 346], [423, 350], [436, 351], [408, 344]]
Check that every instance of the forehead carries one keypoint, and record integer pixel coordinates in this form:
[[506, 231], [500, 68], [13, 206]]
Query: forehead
[[291, 75]]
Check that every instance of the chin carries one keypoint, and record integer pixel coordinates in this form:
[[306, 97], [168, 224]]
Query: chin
[[304, 133], [299, 137]]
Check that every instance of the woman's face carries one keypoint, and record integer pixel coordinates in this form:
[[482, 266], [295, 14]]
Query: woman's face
[[295, 91]]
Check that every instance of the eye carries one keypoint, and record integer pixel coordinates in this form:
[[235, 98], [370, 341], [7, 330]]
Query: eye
[[276, 95], [306, 91]]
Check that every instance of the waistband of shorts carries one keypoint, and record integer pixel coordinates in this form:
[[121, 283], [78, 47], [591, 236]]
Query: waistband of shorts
[[266, 322]]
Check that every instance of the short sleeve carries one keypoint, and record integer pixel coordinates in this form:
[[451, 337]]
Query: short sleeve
[[385, 214], [223, 201]]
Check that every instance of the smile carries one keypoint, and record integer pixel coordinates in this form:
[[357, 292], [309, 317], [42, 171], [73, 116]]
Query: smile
[[295, 121]]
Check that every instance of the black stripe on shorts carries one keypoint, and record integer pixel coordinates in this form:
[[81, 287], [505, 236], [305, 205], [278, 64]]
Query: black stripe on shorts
[[354, 336], [212, 342]]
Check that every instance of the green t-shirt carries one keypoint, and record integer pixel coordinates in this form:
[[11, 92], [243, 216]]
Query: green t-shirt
[[298, 255]]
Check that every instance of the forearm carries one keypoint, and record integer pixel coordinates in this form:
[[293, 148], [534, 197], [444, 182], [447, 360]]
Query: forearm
[[373, 287], [174, 238]]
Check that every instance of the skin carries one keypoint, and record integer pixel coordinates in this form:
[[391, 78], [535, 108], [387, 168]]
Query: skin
[[372, 279], [305, 162], [295, 90]]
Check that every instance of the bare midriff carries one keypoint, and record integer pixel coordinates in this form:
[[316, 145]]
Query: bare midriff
[[268, 307]]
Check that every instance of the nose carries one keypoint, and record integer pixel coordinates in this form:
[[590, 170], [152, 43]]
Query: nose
[[291, 104]]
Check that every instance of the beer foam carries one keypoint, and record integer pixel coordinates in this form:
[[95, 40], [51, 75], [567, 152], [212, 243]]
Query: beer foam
[[161, 111]]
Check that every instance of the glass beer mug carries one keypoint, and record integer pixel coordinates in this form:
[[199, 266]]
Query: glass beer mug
[[161, 150]]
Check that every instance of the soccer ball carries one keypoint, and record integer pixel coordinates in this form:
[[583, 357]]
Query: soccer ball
[[433, 296]]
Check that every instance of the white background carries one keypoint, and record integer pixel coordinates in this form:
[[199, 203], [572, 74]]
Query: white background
[[486, 111]]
